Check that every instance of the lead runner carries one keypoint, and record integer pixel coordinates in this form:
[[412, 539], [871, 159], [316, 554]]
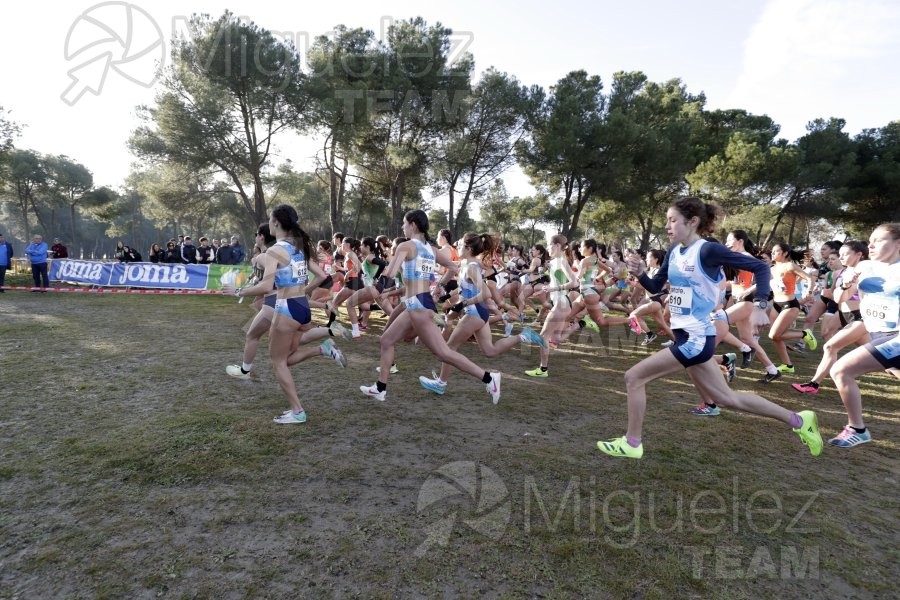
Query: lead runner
[[693, 268]]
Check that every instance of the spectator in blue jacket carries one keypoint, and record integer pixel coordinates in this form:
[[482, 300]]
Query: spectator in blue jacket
[[237, 251], [6, 254], [37, 253]]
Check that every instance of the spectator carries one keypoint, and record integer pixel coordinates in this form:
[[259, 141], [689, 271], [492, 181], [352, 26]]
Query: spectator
[[37, 253], [172, 255], [237, 251], [132, 255], [58, 249], [120, 251], [6, 254], [157, 254], [215, 250], [204, 252], [188, 251], [225, 254]]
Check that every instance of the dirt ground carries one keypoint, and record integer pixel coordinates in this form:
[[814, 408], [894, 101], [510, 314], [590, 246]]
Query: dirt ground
[[131, 466]]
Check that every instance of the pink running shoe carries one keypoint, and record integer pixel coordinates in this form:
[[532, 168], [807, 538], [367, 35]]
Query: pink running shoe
[[806, 388], [635, 326]]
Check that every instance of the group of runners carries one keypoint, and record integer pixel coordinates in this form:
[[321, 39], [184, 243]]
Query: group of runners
[[441, 295]]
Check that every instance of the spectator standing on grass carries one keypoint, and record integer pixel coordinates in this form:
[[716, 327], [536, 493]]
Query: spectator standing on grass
[[188, 251], [237, 251], [157, 254], [37, 253], [58, 249], [223, 257], [205, 254], [6, 255], [171, 255]]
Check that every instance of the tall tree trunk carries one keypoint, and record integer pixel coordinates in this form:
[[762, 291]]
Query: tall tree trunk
[[73, 241]]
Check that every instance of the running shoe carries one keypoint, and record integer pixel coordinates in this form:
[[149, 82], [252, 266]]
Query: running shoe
[[797, 347], [533, 337], [730, 364], [235, 371], [748, 358], [493, 388], [290, 417], [786, 369], [621, 448], [591, 324], [770, 377], [635, 325], [339, 330], [809, 432], [538, 372], [372, 392], [363, 326], [667, 344], [806, 388], [705, 410], [507, 329], [434, 384], [648, 339], [849, 438], [333, 352], [394, 370], [810, 339], [440, 319]]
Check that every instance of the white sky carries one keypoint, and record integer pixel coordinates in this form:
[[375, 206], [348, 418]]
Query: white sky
[[794, 60]]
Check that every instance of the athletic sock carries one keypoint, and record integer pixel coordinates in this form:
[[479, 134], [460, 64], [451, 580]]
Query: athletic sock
[[486, 378], [245, 367], [745, 348], [857, 429], [581, 324], [543, 368], [380, 386], [711, 404], [796, 421], [771, 369], [633, 441]]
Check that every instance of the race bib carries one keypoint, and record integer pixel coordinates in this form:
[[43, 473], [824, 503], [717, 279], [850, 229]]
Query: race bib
[[680, 300], [298, 269], [880, 312], [425, 265]]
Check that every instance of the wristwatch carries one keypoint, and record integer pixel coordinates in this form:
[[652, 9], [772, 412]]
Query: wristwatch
[[763, 304]]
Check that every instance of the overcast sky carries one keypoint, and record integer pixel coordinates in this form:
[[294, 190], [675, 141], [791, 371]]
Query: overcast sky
[[794, 60]]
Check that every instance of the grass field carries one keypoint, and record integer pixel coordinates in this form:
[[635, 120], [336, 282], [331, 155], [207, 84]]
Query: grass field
[[131, 466]]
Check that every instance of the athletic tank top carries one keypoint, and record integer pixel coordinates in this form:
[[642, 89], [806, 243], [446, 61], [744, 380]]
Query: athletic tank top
[[784, 282], [422, 266], [368, 272], [692, 294], [467, 289], [292, 274], [589, 270], [880, 310]]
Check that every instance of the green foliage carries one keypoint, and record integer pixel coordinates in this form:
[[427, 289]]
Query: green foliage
[[232, 88]]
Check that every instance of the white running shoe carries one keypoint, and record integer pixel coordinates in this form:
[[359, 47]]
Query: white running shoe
[[235, 371], [339, 330], [493, 387], [507, 329], [290, 418], [372, 392], [394, 370], [333, 352]]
